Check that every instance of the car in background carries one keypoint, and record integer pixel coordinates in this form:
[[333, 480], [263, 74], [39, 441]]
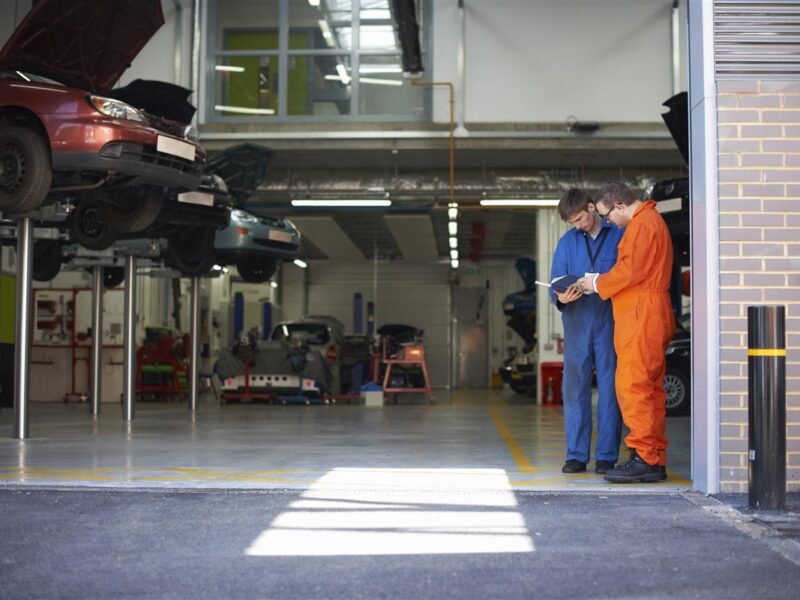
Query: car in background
[[322, 333], [66, 134], [678, 377]]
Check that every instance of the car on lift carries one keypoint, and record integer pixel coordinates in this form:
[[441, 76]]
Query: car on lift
[[67, 135]]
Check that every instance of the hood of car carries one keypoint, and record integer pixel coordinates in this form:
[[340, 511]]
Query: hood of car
[[82, 43], [157, 98], [677, 121], [243, 167]]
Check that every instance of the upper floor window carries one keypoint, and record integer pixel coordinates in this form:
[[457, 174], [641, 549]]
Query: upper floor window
[[284, 60]]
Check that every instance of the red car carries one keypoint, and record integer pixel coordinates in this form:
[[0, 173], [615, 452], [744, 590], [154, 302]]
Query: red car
[[64, 134]]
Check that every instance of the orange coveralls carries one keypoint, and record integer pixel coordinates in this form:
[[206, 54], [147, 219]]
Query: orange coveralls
[[638, 286]]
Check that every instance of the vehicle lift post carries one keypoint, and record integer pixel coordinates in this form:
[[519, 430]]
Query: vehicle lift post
[[22, 353], [194, 353], [97, 339], [129, 345]]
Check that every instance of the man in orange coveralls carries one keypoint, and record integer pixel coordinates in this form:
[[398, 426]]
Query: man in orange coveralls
[[638, 285]]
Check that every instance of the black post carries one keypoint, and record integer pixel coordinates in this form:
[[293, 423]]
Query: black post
[[766, 364]]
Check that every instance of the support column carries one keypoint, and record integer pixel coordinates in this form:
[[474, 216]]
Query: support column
[[22, 353], [97, 339], [194, 333], [129, 342]]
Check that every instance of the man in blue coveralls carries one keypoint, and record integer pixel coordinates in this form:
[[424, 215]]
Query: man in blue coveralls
[[589, 247]]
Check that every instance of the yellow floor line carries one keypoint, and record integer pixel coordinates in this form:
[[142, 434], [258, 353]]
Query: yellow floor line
[[517, 453]]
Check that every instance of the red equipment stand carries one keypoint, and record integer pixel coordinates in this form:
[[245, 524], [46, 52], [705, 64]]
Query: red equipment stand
[[552, 374], [164, 353], [410, 355]]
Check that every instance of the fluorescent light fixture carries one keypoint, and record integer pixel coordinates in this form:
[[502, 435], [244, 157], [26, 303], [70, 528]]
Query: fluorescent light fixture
[[243, 110], [229, 68], [520, 202], [327, 34], [452, 228], [453, 242], [273, 284], [343, 73], [341, 203], [313, 2], [453, 254], [300, 263], [452, 214], [375, 69], [454, 264]]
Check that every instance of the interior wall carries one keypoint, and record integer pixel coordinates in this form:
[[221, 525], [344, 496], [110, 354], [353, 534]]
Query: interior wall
[[541, 61], [410, 294]]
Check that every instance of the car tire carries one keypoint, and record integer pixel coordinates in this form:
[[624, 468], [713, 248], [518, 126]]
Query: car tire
[[134, 214], [47, 259], [192, 254], [113, 276], [519, 387], [676, 388], [257, 270], [26, 171], [90, 227]]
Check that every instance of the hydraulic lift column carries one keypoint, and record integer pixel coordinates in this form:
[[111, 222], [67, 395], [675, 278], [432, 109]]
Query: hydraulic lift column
[[97, 338], [194, 355], [22, 354], [129, 341]]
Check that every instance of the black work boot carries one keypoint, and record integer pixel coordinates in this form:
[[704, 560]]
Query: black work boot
[[635, 470], [603, 466], [573, 466]]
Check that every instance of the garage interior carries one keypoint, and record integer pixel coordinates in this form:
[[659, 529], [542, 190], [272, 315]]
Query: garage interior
[[396, 258]]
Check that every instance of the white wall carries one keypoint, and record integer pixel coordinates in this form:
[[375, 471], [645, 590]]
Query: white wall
[[416, 295], [541, 60]]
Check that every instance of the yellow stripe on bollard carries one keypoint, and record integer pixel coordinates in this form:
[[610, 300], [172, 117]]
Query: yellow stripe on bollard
[[766, 351]]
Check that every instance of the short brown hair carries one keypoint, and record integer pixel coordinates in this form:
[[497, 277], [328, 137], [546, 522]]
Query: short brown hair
[[615, 192], [573, 201]]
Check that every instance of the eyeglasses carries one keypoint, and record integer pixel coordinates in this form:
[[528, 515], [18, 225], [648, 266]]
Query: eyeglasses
[[605, 216]]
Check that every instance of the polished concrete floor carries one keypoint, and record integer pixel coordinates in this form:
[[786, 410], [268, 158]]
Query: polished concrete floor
[[491, 440]]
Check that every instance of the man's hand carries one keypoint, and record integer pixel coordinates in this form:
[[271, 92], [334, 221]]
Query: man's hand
[[571, 294], [585, 284]]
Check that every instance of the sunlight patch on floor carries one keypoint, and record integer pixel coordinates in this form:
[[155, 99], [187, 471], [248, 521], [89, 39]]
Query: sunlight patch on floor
[[356, 512]]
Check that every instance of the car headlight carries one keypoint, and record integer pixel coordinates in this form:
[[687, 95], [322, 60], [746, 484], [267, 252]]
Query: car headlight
[[116, 109], [190, 133], [244, 217]]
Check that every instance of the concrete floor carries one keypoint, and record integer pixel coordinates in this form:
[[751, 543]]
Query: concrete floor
[[478, 439]]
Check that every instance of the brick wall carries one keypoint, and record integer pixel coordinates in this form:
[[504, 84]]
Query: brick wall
[[759, 212]]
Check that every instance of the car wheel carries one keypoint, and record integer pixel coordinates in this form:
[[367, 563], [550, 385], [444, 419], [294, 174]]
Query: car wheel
[[90, 228], [192, 253], [113, 276], [25, 169], [257, 270], [47, 259], [518, 386], [134, 214], [676, 387]]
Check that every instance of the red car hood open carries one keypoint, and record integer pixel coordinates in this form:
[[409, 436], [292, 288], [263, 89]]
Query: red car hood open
[[83, 43]]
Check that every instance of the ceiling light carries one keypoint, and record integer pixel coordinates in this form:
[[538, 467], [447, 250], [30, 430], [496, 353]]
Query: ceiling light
[[341, 203], [327, 34], [452, 227], [520, 202], [273, 284], [453, 254], [373, 69], [452, 214], [454, 264], [230, 68], [453, 242], [243, 110], [313, 2], [300, 263], [343, 73]]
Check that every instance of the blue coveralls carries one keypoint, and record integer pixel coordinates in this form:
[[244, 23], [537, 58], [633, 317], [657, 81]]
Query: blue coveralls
[[588, 341]]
